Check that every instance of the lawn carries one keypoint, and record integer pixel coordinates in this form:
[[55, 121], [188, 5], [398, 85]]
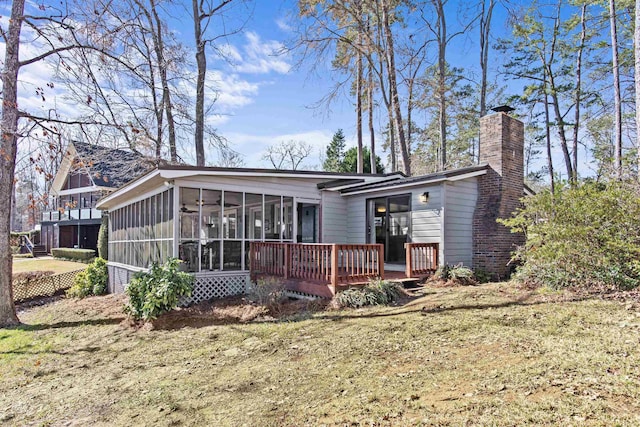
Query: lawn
[[485, 355], [21, 265]]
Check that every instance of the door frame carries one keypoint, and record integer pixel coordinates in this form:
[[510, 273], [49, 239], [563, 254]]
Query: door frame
[[369, 218]]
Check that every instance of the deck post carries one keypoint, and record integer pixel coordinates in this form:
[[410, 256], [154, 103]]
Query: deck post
[[436, 251], [287, 261], [334, 267], [252, 272], [381, 260], [408, 260]]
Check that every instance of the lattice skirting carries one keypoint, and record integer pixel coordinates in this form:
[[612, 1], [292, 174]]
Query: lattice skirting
[[43, 286], [119, 277], [208, 286]]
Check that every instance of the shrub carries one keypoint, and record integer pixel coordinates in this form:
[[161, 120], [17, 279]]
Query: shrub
[[92, 281], [269, 292], [377, 292], [457, 274], [584, 236], [103, 238], [157, 291], [82, 255]]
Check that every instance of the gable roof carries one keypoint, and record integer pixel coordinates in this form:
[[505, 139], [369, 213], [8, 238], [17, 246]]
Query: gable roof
[[106, 167]]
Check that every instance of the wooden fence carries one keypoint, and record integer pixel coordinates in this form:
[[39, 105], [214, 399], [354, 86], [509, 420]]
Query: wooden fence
[[24, 289]]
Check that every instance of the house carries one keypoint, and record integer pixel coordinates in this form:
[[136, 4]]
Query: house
[[86, 174], [318, 230]]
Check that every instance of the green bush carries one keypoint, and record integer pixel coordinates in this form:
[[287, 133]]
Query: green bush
[[92, 281], [158, 291], [585, 236], [82, 255], [103, 238], [377, 292]]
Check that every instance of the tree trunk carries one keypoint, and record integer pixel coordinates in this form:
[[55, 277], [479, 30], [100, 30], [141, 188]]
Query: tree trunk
[[578, 97], [548, 139], [8, 146], [485, 30], [636, 40], [360, 161], [442, 69], [201, 61], [393, 89], [616, 91], [372, 145], [166, 93]]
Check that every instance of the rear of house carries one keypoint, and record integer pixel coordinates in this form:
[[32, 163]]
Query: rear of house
[[316, 225]]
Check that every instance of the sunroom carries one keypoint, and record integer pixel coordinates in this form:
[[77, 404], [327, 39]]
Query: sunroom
[[221, 222]]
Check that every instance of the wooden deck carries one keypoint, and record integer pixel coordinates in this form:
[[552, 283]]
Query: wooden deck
[[326, 269]]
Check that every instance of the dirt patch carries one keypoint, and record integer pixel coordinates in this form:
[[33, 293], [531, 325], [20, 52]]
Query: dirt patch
[[233, 310]]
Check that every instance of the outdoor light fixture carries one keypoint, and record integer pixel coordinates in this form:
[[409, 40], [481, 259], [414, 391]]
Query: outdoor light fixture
[[424, 197]]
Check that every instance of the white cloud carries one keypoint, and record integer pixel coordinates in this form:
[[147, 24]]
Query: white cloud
[[284, 25], [260, 57]]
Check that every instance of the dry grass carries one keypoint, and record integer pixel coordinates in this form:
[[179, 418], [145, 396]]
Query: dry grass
[[485, 355], [46, 264]]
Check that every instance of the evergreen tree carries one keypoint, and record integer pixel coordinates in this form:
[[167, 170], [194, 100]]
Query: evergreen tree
[[350, 161], [335, 153]]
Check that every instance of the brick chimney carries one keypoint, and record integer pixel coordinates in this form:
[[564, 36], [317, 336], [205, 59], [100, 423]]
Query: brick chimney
[[499, 192]]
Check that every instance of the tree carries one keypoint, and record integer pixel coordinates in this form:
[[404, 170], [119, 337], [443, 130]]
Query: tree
[[335, 152], [617, 103], [636, 39], [204, 12], [350, 162], [287, 155]]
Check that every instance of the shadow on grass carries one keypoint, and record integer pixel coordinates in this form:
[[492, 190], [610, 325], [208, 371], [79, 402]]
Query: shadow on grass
[[58, 325]]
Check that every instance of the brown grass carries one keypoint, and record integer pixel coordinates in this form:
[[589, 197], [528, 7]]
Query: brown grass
[[482, 355], [47, 264]]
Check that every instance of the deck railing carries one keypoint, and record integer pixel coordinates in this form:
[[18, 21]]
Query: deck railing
[[422, 258], [329, 263]]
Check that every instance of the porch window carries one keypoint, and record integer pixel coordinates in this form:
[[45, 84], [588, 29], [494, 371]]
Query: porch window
[[142, 232], [216, 231]]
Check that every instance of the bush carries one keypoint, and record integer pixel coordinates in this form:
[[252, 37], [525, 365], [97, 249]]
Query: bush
[[82, 255], [585, 236], [269, 292], [103, 238], [377, 292], [457, 274], [92, 281], [158, 291]]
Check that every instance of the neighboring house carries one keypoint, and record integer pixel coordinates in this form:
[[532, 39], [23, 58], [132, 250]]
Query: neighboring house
[[318, 230], [86, 174]]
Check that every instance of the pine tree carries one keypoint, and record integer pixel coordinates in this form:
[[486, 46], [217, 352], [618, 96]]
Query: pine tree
[[335, 152]]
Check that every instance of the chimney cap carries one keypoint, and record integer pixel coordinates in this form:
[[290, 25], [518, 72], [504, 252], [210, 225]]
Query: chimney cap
[[503, 109]]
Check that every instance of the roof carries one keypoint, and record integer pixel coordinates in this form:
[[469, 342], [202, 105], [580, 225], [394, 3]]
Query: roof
[[109, 167], [421, 179]]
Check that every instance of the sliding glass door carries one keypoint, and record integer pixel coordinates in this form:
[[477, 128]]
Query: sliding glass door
[[389, 220]]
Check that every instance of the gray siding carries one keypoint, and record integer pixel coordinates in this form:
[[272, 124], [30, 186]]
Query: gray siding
[[334, 214], [460, 203], [425, 218]]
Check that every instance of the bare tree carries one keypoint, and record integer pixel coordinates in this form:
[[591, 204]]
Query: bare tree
[[288, 155], [617, 104], [206, 13], [636, 40], [485, 30]]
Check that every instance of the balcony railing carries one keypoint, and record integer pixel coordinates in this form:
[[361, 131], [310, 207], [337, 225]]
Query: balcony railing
[[332, 264], [71, 215]]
